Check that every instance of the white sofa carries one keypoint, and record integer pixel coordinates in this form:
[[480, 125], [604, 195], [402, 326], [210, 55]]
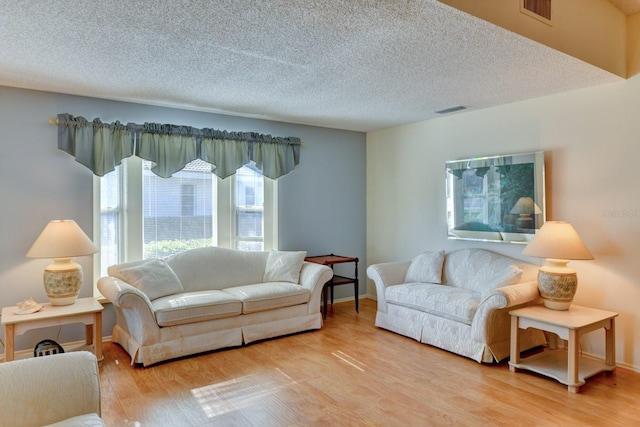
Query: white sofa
[[210, 298], [57, 390], [458, 301]]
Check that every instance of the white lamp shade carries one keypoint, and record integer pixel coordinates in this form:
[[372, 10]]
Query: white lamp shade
[[557, 240], [62, 239], [525, 205]]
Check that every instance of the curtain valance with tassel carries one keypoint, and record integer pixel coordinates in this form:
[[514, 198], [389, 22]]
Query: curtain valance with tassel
[[102, 146]]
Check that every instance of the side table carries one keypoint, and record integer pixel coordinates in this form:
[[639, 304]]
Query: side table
[[567, 367], [84, 310], [336, 280]]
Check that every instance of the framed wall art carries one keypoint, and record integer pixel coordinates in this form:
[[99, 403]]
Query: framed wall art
[[498, 198]]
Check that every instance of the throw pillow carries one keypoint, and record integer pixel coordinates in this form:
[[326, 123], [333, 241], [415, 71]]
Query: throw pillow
[[284, 266], [426, 267], [507, 276], [155, 278]]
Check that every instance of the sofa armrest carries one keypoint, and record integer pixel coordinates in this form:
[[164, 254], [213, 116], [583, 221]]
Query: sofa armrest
[[138, 317], [494, 305], [49, 389], [386, 274], [313, 277]]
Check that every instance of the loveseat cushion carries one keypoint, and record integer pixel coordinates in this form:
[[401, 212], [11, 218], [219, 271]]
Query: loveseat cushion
[[284, 266], [509, 275], [190, 307], [450, 302], [426, 267], [155, 278], [473, 268], [268, 296]]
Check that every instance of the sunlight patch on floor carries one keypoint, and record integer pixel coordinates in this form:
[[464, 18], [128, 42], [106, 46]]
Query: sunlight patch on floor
[[239, 393], [349, 360]]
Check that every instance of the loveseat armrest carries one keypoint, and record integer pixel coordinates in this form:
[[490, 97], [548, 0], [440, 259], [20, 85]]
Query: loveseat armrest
[[384, 275], [511, 295], [313, 277], [493, 308]]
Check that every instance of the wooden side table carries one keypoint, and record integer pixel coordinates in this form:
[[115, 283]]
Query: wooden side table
[[84, 310], [567, 367], [336, 280]]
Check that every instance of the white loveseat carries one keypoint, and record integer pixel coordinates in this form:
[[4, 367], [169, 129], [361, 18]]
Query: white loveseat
[[210, 298], [458, 301], [57, 390]]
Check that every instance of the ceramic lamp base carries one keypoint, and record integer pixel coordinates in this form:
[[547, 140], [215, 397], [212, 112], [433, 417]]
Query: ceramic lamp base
[[62, 281], [557, 284]]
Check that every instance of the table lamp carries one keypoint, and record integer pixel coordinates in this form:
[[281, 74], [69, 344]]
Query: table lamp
[[62, 240], [524, 208], [558, 242]]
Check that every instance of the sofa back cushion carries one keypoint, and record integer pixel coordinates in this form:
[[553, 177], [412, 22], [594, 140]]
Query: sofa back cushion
[[480, 269], [217, 268], [155, 278], [284, 266]]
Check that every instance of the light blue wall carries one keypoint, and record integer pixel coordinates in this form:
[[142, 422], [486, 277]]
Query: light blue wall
[[321, 204]]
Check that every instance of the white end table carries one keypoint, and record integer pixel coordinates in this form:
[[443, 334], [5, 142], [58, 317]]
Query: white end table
[[567, 367], [84, 310]]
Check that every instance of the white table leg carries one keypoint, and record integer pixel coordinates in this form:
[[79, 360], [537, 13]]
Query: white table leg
[[9, 333], [515, 343], [573, 361], [610, 343]]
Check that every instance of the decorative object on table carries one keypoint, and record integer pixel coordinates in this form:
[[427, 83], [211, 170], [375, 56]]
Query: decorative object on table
[[62, 240], [46, 348], [483, 192], [28, 306], [524, 208], [558, 242]]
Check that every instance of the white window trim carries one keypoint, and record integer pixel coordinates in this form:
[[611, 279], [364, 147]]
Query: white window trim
[[132, 226]]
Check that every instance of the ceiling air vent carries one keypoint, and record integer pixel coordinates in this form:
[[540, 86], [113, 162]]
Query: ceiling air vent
[[451, 110], [539, 9]]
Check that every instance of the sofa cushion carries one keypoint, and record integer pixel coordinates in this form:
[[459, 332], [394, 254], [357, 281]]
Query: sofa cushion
[[267, 296], [509, 275], [192, 307], [284, 266], [155, 278], [450, 302], [426, 267]]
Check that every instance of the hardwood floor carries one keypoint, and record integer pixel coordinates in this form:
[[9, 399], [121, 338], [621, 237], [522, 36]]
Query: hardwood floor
[[351, 373]]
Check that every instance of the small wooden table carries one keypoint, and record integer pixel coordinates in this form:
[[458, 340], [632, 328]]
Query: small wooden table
[[567, 367], [84, 310], [336, 280]]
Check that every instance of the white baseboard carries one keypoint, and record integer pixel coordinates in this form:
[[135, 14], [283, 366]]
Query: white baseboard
[[69, 346]]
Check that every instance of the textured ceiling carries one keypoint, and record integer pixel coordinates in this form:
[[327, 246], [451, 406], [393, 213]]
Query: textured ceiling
[[358, 65], [628, 7]]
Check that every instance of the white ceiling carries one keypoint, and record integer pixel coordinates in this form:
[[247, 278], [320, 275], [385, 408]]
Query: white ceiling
[[342, 64]]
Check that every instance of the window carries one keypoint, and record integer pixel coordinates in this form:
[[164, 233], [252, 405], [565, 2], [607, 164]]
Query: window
[[144, 216]]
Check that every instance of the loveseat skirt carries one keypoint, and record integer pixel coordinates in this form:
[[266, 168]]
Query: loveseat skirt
[[450, 335]]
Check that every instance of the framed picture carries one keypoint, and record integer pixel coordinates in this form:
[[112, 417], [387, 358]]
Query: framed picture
[[497, 199]]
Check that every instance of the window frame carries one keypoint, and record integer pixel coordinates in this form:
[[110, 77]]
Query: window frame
[[131, 203]]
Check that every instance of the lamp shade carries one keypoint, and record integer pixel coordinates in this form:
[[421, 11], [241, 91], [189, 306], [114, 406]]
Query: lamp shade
[[557, 240], [62, 239], [525, 205]]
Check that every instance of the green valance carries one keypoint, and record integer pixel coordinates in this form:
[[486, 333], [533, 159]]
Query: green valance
[[102, 146]]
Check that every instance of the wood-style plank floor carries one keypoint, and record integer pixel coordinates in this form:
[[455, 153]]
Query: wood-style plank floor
[[351, 373]]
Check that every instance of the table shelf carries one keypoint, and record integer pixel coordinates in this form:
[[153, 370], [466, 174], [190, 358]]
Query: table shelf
[[553, 364]]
